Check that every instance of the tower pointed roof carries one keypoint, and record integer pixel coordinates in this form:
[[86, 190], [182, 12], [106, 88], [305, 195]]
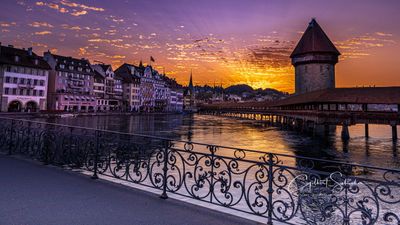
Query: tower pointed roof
[[190, 81], [314, 40]]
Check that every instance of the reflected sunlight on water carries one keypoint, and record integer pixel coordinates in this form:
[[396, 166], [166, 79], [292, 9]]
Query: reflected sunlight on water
[[378, 150]]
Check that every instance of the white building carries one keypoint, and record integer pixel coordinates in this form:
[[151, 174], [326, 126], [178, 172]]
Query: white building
[[23, 80]]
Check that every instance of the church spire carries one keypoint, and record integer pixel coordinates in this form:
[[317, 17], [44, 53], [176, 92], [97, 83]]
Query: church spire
[[191, 80]]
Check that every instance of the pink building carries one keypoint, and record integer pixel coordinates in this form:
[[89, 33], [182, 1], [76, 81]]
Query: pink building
[[70, 84]]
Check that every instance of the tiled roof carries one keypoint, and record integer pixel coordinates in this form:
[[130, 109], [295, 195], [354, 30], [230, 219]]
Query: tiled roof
[[124, 72], [105, 67], [8, 54], [314, 40], [364, 95], [75, 63]]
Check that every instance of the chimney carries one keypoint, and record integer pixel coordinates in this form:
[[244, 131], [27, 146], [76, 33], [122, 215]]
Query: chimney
[[30, 51]]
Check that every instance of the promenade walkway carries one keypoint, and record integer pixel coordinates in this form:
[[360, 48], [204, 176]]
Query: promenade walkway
[[34, 194]]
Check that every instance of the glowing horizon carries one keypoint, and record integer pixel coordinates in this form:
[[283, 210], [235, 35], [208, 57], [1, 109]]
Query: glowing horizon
[[224, 42]]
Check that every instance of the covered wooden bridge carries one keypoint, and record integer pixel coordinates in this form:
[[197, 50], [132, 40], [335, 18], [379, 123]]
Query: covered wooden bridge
[[305, 112]]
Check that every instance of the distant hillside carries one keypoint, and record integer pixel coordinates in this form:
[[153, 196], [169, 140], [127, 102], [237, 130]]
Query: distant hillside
[[238, 89]]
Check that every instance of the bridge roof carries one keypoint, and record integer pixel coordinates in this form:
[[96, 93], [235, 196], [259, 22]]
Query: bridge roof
[[364, 95]]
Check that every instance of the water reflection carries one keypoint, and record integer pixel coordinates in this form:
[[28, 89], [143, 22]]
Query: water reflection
[[378, 149]]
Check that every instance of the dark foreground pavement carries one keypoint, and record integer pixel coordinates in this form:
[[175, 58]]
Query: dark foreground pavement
[[34, 194]]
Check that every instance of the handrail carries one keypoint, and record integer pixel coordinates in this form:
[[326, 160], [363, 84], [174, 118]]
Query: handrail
[[267, 187], [203, 144]]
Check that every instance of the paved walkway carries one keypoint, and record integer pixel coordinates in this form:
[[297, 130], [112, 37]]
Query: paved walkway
[[31, 193]]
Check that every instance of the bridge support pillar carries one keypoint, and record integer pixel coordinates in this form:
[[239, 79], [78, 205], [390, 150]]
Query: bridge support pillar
[[394, 132], [326, 130], [345, 132], [366, 130]]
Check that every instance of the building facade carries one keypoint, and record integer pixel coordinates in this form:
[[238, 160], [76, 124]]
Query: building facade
[[71, 83], [314, 59], [130, 81], [108, 88], [146, 90], [23, 80]]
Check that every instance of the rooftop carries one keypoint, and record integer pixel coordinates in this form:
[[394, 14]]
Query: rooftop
[[314, 40], [363, 95], [26, 58]]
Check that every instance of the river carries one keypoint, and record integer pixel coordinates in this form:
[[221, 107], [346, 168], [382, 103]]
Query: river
[[377, 150]]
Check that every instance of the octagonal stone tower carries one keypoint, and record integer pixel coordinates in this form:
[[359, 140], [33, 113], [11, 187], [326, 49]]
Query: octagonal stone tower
[[314, 59]]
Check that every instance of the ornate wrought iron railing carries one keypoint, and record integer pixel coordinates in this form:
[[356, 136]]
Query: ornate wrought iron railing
[[276, 187]]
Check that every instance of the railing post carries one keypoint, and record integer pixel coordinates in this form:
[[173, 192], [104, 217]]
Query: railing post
[[270, 188], [28, 144], [165, 171], [212, 149], [10, 144], [96, 155]]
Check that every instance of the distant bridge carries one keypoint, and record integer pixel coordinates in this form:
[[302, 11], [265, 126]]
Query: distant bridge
[[340, 106]]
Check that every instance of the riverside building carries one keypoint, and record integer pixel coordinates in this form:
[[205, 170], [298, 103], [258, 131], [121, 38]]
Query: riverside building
[[23, 80], [130, 87], [107, 89], [71, 83], [146, 90]]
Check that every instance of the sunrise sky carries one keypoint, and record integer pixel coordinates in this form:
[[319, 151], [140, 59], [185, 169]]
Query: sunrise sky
[[223, 41]]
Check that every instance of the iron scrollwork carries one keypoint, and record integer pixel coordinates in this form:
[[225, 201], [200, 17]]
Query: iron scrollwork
[[276, 187]]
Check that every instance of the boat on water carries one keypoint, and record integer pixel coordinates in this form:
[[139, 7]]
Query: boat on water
[[67, 115]]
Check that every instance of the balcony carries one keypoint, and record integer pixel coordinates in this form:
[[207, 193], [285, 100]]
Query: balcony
[[26, 86]]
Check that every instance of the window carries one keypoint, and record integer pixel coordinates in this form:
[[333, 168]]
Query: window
[[35, 82], [7, 79], [28, 81], [15, 80], [22, 81], [28, 92], [14, 91], [41, 82], [21, 91], [40, 92], [34, 92], [6, 90], [62, 66], [8, 69]]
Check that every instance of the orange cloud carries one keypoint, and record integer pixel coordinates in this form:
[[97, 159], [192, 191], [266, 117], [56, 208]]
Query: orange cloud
[[82, 6], [79, 13], [53, 6], [7, 24], [40, 24], [46, 32]]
